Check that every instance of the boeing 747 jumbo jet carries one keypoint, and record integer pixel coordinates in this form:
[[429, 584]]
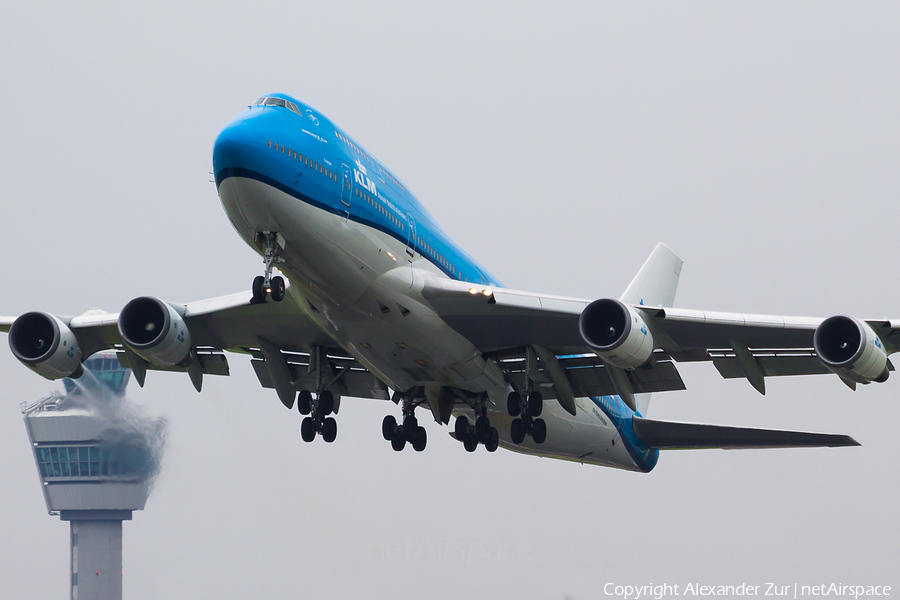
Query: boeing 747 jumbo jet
[[377, 302]]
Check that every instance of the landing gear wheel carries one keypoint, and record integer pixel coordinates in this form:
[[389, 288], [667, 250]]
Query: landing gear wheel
[[398, 442], [461, 428], [421, 439], [410, 428], [470, 444], [259, 289], [389, 428], [304, 399], [482, 429], [514, 404], [493, 441], [539, 431], [307, 429], [535, 404], [517, 431], [277, 287], [329, 430], [326, 403]]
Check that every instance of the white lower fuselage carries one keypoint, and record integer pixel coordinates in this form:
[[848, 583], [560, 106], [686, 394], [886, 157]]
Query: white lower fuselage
[[361, 283]]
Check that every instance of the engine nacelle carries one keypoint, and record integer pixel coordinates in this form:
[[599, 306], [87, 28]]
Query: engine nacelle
[[617, 333], [46, 345], [851, 349], [155, 332]]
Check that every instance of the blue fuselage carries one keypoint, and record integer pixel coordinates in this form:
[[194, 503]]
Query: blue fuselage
[[309, 157], [356, 243]]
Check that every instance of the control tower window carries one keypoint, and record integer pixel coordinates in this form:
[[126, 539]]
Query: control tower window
[[73, 461]]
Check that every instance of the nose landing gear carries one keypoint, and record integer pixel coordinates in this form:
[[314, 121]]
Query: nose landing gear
[[264, 285]]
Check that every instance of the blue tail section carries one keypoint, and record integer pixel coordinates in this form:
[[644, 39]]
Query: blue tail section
[[622, 417]]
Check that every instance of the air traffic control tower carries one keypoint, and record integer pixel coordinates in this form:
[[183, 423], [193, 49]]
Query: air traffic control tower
[[95, 468]]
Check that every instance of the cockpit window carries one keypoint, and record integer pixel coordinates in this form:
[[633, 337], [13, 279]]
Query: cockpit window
[[278, 102]]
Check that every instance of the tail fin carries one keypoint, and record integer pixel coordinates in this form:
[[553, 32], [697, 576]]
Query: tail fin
[[656, 282], [654, 285]]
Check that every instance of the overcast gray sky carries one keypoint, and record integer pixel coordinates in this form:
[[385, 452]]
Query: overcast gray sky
[[557, 143]]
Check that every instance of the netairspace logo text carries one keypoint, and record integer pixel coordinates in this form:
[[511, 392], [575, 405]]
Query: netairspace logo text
[[774, 590]]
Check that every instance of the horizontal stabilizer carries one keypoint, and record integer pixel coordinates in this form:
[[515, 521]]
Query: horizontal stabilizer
[[684, 436]]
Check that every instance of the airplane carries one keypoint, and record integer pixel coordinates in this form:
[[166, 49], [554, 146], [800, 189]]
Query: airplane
[[363, 295]]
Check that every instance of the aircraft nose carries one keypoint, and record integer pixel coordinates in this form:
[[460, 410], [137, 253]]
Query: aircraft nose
[[238, 146]]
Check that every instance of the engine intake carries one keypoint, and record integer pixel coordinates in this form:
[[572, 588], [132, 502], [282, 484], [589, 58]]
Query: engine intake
[[46, 345], [851, 349], [155, 332], [617, 333]]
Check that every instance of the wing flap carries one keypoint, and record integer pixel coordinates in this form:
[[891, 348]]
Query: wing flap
[[667, 435], [588, 375], [355, 382], [211, 363], [772, 364]]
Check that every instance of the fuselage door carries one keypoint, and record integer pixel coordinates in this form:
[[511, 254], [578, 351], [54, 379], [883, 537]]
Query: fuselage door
[[411, 242], [346, 185]]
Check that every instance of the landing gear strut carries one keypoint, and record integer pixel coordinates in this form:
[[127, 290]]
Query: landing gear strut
[[318, 420], [409, 431], [527, 410], [264, 285], [481, 432]]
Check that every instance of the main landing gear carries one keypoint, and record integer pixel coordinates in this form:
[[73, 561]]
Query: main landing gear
[[528, 409], [409, 432], [318, 420], [481, 432], [264, 285]]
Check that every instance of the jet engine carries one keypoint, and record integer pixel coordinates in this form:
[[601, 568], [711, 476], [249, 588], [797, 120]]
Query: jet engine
[[851, 349], [155, 332], [617, 333], [46, 345]]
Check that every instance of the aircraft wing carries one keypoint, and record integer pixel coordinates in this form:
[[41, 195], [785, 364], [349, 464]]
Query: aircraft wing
[[506, 322], [279, 331], [6, 323]]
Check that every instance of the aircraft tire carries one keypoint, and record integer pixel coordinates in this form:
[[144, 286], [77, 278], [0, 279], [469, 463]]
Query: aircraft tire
[[539, 431], [470, 444], [388, 428], [307, 429], [461, 428], [410, 428], [326, 403], [517, 431], [482, 429], [303, 402], [398, 442], [329, 430], [493, 441], [514, 404], [258, 289], [535, 404], [421, 439], [277, 285]]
